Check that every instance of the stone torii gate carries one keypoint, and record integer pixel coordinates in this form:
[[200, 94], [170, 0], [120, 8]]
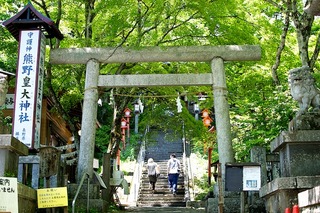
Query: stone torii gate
[[92, 57]]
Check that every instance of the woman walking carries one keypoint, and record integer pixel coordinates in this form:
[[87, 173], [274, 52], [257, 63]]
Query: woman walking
[[152, 173]]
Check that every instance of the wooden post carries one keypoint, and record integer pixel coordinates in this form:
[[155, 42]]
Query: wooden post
[[209, 165], [221, 194]]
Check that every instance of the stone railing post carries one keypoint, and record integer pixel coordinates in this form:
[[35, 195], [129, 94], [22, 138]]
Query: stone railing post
[[10, 150]]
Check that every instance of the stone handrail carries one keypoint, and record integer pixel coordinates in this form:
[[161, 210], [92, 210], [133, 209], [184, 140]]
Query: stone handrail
[[136, 179], [188, 176]]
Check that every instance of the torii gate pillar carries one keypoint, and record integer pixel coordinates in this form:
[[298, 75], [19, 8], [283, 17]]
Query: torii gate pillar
[[89, 117], [221, 109]]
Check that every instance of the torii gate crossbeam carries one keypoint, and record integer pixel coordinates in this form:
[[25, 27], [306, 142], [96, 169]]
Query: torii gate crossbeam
[[150, 80], [155, 54], [92, 57]]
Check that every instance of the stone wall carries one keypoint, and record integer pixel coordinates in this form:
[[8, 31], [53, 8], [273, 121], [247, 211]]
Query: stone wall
[[309, 200]]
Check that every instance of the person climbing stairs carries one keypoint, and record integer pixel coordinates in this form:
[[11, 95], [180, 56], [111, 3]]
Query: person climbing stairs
[[160, 150]]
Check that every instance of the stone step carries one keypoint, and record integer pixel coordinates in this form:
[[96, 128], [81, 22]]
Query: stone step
[[161, 203], [163, 196], [163, 175], [165, 209], [145, 184], [160, 191]]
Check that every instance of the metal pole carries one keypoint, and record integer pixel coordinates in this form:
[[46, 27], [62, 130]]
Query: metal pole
[[136, 121]]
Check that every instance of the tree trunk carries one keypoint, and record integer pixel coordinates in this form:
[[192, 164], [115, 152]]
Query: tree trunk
[[303, 23]]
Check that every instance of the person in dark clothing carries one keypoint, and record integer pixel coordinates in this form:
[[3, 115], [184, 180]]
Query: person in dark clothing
[[173, 173]]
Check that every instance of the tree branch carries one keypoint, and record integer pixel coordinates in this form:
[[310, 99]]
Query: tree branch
[[174, 26], [280, 49], [315, 54]]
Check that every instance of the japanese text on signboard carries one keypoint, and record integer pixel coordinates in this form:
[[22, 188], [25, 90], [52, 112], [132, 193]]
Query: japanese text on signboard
[[52, 197], [28, 98], [8, 195]]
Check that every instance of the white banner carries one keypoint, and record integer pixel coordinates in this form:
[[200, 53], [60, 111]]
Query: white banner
[[29, 85]]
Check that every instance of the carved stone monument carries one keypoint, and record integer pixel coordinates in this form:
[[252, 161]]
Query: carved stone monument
[[298, 148], [3, 88]]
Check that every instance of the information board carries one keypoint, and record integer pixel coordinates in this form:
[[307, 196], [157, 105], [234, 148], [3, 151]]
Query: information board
[[251, 178], [8, 195], [243, 177], [52, 197]]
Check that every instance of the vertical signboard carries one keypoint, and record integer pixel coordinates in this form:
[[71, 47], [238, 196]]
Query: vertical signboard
[[29, 88], [8, 195]]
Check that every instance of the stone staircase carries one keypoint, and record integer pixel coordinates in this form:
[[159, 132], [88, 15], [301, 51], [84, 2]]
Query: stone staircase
[[162, 196], [160, 150]]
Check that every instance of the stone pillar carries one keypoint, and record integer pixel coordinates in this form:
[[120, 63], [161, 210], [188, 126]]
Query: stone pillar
[[258, 154], [106, 175], [221, 111], [3, 88], [10, 150], [89, 118]]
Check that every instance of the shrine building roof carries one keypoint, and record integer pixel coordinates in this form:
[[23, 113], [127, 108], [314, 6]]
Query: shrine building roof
[[29, 18]]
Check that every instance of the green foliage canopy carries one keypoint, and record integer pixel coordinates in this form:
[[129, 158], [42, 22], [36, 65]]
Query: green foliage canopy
[[260, 104]]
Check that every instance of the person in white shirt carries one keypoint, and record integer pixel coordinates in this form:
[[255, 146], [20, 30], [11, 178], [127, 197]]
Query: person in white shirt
[[152, 173], [173, 173]]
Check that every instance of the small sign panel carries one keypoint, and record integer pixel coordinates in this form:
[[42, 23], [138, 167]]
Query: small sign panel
[[243, 177], [251, 178], [8, 195], [9, 101], [52, 197]]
